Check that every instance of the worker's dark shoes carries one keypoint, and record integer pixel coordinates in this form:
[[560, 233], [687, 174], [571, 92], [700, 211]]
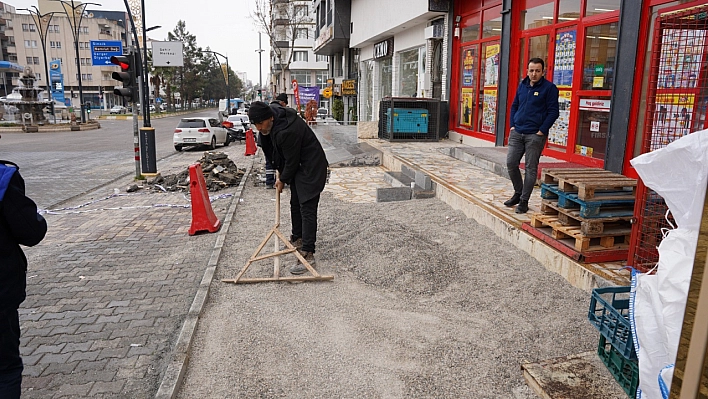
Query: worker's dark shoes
[[270, 186], [299, 268], [523, 207], [513, 200], [296, 242]]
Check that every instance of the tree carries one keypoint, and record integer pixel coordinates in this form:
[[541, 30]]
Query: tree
[[281, 22]]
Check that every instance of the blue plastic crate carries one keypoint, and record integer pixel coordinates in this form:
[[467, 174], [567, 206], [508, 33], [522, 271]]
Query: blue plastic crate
[[609, 313], [407, 120]]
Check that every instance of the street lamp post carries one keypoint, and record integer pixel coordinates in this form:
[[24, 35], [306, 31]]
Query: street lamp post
[[42, 22], [226, 79], [73, 10], [146, 84]]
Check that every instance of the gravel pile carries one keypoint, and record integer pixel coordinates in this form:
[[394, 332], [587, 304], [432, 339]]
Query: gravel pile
[[425, 303], [219, 172]]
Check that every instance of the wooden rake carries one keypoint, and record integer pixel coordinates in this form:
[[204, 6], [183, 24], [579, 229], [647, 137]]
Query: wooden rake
[[279, 237]]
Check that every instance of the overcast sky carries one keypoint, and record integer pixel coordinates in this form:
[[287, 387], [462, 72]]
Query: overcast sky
[[223, 25]]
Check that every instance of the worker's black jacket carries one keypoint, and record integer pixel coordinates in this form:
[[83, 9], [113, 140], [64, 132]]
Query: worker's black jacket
[[20, 224], [297, 154]]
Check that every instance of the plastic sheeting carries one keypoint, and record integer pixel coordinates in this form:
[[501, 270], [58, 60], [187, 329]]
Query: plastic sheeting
[[679, 173]]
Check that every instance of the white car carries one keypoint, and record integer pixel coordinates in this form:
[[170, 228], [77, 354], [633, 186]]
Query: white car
[[198, 131], [118, 109], [241, 125]]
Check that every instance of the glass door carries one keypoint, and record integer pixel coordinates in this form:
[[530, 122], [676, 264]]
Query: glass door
[[468, 80]]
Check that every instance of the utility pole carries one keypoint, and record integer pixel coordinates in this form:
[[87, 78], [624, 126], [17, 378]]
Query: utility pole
[[260, 68]]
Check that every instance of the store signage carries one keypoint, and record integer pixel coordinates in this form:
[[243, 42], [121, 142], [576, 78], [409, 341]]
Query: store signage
[[57, 80], [349, 87], [383, 49], [591, 104], [439, 5], [324, 37]]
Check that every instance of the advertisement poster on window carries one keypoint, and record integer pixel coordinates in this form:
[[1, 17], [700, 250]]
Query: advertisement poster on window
[[489, 111], [681, 58], [564, 59], [467, 107], [672, 118], [558, 133], [468, 66], [491, 67]]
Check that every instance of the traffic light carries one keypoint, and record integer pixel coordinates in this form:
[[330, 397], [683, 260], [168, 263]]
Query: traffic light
[[88, 107], [127, 76]]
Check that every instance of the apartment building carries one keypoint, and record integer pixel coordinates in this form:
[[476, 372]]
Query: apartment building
[[292, 57], [21, 44]]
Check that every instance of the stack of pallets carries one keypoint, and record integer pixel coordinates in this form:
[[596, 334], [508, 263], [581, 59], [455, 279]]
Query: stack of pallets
[[586, 213]]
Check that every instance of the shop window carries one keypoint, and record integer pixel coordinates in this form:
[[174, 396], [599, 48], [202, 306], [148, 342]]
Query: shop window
[[468, 70], [385, 77], [538, 15], [593, 126], [470, 28], [366, 91], [409, 69], [594, 7], [599, 60], [568, 10], [489, 76], [492, 24]]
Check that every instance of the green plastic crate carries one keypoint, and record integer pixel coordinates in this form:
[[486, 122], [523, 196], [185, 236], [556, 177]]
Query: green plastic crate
[[625, 371]]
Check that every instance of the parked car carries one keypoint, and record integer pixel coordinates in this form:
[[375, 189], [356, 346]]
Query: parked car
[[199, 131], [118, 109], [241, 123], [322, 113], [152, 108]]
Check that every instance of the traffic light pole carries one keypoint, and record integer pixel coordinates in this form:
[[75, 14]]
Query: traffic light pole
[[136, 139]]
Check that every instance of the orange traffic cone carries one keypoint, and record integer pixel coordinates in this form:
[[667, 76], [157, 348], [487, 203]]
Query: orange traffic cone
[[203, 217], [250, 143]]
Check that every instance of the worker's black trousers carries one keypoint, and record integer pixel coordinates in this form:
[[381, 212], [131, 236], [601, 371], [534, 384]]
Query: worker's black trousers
[[304, 219]]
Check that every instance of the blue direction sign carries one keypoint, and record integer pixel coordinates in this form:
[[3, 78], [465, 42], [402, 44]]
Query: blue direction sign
[[103, 50]]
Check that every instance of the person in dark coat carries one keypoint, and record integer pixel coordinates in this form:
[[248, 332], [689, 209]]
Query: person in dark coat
[[20, 224], [301, 161]]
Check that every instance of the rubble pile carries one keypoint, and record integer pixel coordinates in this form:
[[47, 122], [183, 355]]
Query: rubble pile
[[219, 172]]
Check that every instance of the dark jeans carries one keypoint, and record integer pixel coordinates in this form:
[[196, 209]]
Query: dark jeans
[[269, 172], [304, 218], [10, 361], [530, 145]]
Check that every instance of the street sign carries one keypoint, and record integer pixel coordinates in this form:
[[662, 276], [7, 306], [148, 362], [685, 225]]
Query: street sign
[[167, 54], [103, 50]]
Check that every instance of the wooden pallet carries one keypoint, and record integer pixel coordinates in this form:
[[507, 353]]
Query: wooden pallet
[[588, 183], [612, 238], [567, 247], [593, 226], [605, 203], [551, 176]]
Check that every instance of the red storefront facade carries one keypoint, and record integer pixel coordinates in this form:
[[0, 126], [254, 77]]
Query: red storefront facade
[[578, 40]]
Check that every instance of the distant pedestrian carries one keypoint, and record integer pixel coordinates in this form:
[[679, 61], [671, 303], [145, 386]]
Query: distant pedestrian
[[301, 161], [281, 99], [20, 224], [533, 112]]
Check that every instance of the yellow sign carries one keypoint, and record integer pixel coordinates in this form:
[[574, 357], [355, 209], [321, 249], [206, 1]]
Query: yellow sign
[[327, 92], [349, 87], [225, 72]]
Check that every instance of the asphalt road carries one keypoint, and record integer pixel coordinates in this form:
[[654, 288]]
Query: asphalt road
[[61, 165]]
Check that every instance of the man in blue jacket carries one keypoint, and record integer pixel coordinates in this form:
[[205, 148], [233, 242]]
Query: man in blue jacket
[[20, 224], [533, 112]]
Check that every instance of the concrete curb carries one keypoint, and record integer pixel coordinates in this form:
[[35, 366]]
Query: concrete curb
[[177, 367]]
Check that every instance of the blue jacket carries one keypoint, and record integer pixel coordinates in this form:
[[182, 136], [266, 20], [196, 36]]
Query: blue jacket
[[535, 108], [20, 224]]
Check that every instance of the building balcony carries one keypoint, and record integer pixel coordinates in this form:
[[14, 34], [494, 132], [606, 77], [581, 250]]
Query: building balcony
[[281, 21]]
